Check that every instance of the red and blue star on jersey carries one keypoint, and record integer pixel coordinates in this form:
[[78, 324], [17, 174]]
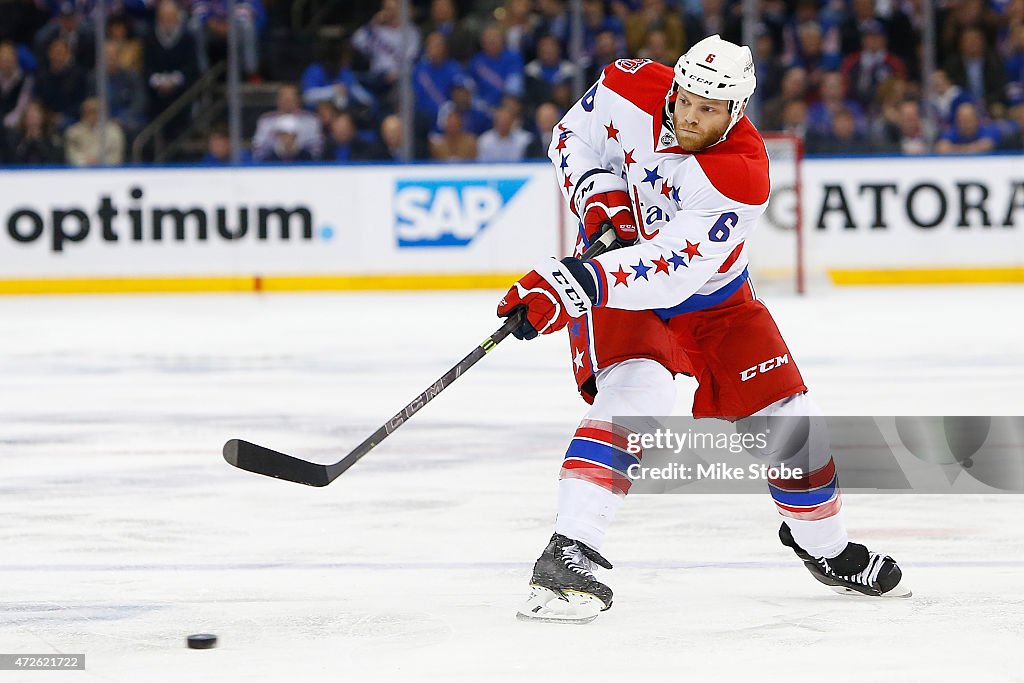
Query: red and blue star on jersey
[[579, 345], [563, 167], [641, 271], [652, 176]]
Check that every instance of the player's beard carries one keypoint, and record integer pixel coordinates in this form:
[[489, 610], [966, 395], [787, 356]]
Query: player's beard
[[694, 140]]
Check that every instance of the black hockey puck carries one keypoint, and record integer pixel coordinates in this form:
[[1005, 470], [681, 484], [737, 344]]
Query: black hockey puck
[[202, 641]]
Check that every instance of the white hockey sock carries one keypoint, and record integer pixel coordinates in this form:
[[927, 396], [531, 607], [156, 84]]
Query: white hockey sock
[[820, 537], [586, 508], [585, 511], [825, 537]]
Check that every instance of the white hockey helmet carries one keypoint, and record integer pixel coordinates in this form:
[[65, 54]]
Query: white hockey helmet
[[719, 70]]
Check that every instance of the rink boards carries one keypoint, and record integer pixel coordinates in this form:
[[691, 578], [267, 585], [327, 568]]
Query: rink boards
[[327, 227]]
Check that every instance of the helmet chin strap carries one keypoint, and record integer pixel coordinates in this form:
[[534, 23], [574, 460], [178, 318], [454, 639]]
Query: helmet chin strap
[[670, 101], [736, 111]]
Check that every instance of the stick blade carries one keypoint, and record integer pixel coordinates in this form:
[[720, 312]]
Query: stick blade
[[270, 463]]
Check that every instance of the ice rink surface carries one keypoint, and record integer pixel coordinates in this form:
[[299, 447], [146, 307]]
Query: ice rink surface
[[123, 530]]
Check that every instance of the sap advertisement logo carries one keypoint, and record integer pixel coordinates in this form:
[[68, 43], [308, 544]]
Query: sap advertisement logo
[[449, 213]]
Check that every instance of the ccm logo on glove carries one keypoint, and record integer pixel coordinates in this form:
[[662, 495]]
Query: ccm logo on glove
[[574, 297], [551, 295]]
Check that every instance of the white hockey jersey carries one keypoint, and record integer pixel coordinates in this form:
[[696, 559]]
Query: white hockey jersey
[[694, 211]]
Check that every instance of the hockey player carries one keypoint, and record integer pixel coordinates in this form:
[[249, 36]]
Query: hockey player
[[667, 157]]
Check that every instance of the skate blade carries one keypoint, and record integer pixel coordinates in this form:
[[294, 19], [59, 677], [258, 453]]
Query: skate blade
[[900, 590], [545, 605]]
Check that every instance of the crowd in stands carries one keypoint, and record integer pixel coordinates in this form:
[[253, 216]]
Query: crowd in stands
[[153, 51], [490, 79], [852, 83]]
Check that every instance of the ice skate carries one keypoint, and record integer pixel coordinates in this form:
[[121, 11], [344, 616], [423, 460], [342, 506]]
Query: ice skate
[[856, 570], [563, 588]]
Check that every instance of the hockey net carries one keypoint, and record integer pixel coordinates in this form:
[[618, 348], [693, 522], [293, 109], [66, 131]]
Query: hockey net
[[776, 249]]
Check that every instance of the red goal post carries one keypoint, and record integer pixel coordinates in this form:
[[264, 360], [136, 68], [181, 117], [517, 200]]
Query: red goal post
[[777, 248]]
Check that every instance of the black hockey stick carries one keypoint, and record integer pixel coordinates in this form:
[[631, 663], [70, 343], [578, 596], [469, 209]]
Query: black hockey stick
[[261, 460]]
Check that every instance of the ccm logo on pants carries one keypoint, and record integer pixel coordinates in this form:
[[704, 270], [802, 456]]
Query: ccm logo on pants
[[764, 367]]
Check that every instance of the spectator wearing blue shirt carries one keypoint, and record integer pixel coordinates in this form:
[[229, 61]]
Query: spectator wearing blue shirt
[[969, 134], [432, 80], [597, 21], [475, 118], [820, 115], [945, 97], [433, 77], [1015, 66], [324, 81], [547, 71], [813, 56], [496, 71]]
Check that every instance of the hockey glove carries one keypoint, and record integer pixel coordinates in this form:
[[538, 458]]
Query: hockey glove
[[550, 295], [601, 197]]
